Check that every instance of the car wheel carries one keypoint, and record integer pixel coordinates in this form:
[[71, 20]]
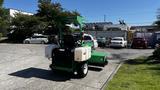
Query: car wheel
[[27, 42], [126, 46], [42, 42], [83, 70], [145, 47], [132, 47]]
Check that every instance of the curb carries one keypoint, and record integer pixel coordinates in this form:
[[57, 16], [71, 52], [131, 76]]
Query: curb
[[111, 76]]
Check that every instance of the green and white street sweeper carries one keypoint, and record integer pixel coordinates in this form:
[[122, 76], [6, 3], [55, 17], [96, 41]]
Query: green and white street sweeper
[[72, 53]]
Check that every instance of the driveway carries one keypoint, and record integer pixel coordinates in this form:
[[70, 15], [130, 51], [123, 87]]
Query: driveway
[[24, 67]]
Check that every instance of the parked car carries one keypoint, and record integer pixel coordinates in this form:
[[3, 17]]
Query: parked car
[[101, 41], [36, 39], [139, 43], [118, 42], [90, 39]]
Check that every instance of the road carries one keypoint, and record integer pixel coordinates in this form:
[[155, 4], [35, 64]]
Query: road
[[125, 54], [24, 67]]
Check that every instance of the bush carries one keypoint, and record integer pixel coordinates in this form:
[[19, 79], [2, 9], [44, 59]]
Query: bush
[[156, 54], [1, 35], [19, 35]]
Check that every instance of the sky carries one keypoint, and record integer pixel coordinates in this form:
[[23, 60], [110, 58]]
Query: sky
[[134, 12]]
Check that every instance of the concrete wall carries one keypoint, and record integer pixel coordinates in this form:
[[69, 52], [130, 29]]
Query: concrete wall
[[108, 33]]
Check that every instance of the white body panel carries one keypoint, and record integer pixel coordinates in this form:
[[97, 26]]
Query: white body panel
[[91, 39], [49, 49], [82, 54]]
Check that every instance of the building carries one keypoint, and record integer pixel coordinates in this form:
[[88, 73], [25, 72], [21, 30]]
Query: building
[[116, 27], [12, 12], [147, 28], [96, 25], [107, 29], [144, 31]]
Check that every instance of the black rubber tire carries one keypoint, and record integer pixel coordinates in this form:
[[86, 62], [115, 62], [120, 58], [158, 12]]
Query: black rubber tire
[[106, 61], [82, 70], [27, 42], [144, 47], [132, 47], [42, 42]]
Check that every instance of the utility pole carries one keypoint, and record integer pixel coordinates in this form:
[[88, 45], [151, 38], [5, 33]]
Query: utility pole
[[104, 18]]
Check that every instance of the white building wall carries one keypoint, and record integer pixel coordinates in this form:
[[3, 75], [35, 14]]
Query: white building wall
[[122, 27], [13, 12]]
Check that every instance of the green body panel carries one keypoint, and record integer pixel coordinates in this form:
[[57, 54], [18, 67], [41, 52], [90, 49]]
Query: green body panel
[[88, 44], [63, 69], [66, 68], [98, 57], [76, 20]]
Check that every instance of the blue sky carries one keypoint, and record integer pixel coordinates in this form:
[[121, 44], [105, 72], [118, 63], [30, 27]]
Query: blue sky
[[134, 12]]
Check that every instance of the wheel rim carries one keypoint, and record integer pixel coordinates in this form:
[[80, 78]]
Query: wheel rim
[[85, 68], [42, 42], [27, 42]]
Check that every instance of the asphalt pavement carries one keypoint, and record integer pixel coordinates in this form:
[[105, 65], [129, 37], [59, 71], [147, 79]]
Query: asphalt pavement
[[24, 67]]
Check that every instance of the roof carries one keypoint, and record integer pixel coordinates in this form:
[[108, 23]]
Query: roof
[[117, 37], [147, 26], [120, 26]]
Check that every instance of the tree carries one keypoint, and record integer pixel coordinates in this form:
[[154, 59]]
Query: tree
[[158, 18], [4, 19], [23, 26], [1, 3], [50, 18], [53, 14]]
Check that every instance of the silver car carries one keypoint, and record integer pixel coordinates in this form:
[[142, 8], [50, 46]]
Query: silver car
[[39, 39]]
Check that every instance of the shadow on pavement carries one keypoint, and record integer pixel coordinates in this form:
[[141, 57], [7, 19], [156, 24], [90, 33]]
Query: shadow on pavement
[[98, 69], [42, 74]]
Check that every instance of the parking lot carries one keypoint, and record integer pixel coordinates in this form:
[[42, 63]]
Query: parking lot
[[24, 67]]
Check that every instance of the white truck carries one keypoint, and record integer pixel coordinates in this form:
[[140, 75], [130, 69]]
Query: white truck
[[118, 42]]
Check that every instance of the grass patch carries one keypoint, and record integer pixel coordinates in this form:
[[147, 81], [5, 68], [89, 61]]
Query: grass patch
[[136, 74]]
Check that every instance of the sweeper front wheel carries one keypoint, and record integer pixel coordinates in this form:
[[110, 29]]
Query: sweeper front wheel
[[83, 70]]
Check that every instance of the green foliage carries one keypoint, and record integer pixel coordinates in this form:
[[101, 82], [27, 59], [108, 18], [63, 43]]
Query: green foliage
[[4, 20], [158, 18], [1, 36], [136, 75], [53, 14], [156, 54], [24, 25], [1, 2], [49, 19]]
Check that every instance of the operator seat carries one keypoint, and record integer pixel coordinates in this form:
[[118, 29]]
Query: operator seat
[[69, 41]]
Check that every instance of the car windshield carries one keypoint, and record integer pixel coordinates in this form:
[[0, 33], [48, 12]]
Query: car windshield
[[87, 38], [117, 39], [138, 39]]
